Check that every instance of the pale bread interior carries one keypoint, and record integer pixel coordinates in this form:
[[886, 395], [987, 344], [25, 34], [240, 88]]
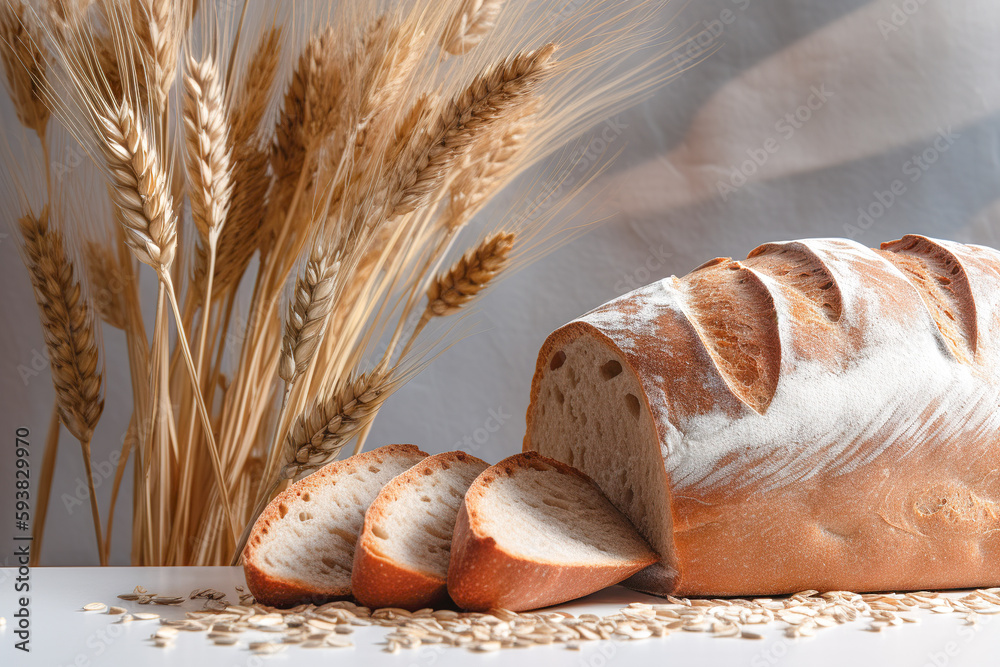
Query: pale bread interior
[[313, 542], [546, 515], [591, 414], [414, 529]]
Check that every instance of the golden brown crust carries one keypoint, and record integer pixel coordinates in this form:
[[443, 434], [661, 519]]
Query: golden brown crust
[[379, 581], [910, 498], [276, 591], [483, 576]]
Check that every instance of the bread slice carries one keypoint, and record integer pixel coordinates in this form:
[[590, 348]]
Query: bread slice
[[405, 544], [302, 547], [533, 532]]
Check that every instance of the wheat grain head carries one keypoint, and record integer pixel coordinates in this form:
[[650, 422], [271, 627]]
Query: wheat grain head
[[319, 434], [307, 313], [469, 276], [68, 325], [106, 282], [157, 25], [469, 25], [499, 92], [139, 188], [24, 61], [206, 128]]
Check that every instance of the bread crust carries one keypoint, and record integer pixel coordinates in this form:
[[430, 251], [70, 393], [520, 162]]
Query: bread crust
[[483, 576], [276, 591], [379, 581], [907, 499]]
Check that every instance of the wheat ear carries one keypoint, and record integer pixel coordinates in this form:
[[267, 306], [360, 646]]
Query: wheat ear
[[157, 26], [24, 62], [206, 129], [321, 431], [491, 97], [470, 275], [469, 25], [307, 313], [70, 336], [139, 189], [106, 284], [254, 97], [307, 115], [464, 281]]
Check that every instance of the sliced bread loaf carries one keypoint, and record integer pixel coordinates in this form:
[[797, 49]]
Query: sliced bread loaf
[[533, 532], [302, 547], [405, 543]]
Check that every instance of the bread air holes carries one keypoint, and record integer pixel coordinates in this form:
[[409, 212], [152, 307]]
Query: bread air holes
[[558, 359], [282, 510], [559, 395], [632, 403], [305, 516], [611, 370]]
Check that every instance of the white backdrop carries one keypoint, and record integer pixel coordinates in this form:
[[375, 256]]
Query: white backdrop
[[866, 119]]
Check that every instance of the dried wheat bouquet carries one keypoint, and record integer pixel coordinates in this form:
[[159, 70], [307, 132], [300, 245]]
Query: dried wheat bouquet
[[312, 187]]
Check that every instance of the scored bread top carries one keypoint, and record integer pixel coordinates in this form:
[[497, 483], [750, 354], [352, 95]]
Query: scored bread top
[[731, 355], [539, 509], [302, 546]]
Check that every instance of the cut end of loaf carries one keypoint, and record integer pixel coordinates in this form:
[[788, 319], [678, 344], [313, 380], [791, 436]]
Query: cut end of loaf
[[588, 410], [301, 549]]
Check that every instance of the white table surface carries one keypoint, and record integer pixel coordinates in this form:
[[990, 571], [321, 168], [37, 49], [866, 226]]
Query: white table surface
[[62, 635]]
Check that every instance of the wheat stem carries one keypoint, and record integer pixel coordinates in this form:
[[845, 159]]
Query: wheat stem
[[202, 411], [126, 451], [44, 490], [85, 446]]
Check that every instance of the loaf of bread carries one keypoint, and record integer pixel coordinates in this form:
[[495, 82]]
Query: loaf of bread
[[301, 549], [821, 415], [534, 532], [402, 555]]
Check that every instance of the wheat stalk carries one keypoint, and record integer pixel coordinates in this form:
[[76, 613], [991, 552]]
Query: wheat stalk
[[70, 337], [106, 284], [469, 276], [240, 237], [491, 97], [157, 27], [143, 203], [469, 25], [484, 173], [258, 81], [208, 153], [307, 115], [307, 313], [24, 61]]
